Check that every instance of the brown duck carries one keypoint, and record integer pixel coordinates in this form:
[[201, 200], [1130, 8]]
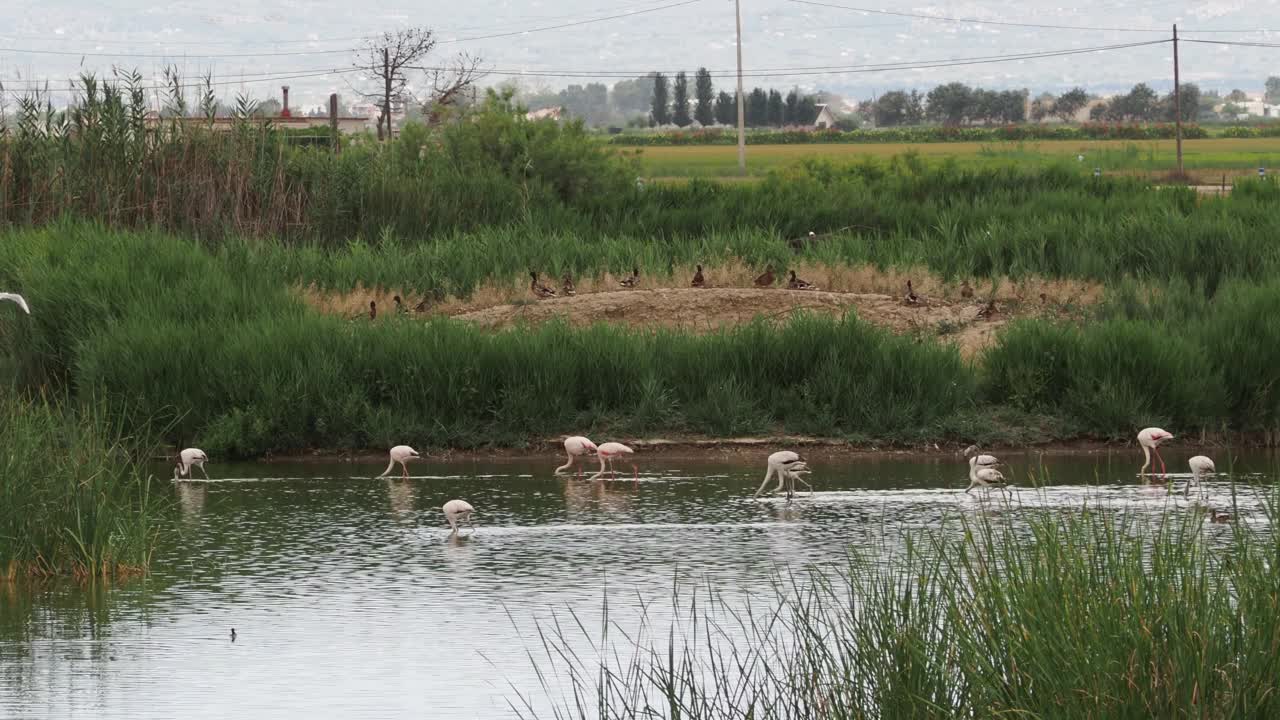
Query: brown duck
[[633, 281], [966, 292], [567, 281], [911, 298], [698, 280], [538, 288], [373, 310], [796, 283], [988, 310], [766, 278]]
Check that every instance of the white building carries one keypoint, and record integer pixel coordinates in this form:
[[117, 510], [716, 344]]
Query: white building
[[826, 119]]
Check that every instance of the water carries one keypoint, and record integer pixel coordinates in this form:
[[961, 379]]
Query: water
[[351, 599]]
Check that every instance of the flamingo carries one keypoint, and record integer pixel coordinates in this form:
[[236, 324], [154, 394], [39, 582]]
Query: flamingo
[[16, 298], [1150, 439], [401, 454], [765, 279], [698, 280], [983, 477], [632, 281], [793, 475], [983, 460], [1200, 465], [456, 511], [576, 447], [610, 451], [778, 463], [191, 457]]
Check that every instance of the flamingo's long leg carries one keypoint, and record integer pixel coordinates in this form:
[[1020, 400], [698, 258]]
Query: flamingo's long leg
[[204, 472]]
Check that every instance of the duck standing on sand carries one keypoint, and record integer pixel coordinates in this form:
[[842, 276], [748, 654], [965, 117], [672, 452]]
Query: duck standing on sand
[[796, 283], [373, 310], [765, 279], [911, 298], [538, 288], [569, 290], [989, 310], [698, 280], [966, 292], [399, 306], [633, 281]]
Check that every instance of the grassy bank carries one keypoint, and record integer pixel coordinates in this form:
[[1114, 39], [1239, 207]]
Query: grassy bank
[[1085, 615], [75, 498]]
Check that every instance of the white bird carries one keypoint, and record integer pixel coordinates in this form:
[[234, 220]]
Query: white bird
[[400, 454], [983, 460], [610, 451], [983, 477], [793, 475], [191, 457], [576, 447], [456, 511], [1150, 439], [1200, 465], [778, 463], [16, 298]]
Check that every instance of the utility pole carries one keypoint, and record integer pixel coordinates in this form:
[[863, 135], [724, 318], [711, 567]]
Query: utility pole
[[1177, 100], [386, 97], [742, 113]]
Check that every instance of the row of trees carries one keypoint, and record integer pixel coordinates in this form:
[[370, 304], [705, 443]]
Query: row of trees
[[950, 104], [1143, 104], [671, 104]]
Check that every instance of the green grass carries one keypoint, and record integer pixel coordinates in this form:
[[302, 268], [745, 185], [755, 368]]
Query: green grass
[[1082, 615]]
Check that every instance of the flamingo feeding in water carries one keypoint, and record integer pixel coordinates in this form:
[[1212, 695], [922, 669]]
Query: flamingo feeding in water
[[16, 299], [778, 464], [610, 451], [400, 454], [187, 459], [982, 460], [456, 511], [576, 447], [984, 476], [1200, 465], [1150, 439]]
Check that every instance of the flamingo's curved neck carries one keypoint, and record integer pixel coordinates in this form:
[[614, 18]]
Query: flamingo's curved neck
[[1146, 459], [973, 469]]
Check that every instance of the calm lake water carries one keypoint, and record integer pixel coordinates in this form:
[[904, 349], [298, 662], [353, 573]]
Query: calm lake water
[[350, 598]]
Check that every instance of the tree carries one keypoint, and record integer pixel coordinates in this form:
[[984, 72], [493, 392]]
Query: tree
[[757, 108], [726, 109], [950, 104], [660, 103], [590, 102], [1041, 109], [268, 108], [915, 108], [705, 92], [630, 98], [1189, 103], [892, 109], [385, 59], [1069, 103], [1272, 96], [1012, 106], [1100, 112], [1232, 111], [807, 112], [680, 106], [1237, 96], [776, 109], [791, 110], [984, 105]]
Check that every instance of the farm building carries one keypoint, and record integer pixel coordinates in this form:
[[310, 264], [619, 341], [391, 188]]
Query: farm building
[[825, 119]]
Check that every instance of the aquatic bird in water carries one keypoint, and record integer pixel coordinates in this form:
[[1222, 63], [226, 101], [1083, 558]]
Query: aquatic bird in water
[[796, 283], [698, 280], [1218, 517], [576, 447], [17, 299], [983, 476], [632, 281], [456, 511], [373, 310], [401, 454], [233, 634], [567, 284], [610, 451], [1150, 439], [966, 292], [983, 461], [399, 307], [1200, 465], [911, 298], [191, 457], [538, 288], [765, 279], [778, 463]]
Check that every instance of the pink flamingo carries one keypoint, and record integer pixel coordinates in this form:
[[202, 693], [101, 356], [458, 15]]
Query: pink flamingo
[[1150, 439], [576, 447], [611, 451]]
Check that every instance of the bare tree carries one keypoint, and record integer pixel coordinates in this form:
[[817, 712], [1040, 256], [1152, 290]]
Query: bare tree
[[449, 84], [385, 59]]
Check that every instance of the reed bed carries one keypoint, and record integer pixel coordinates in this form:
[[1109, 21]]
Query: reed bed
[[1031, 614]]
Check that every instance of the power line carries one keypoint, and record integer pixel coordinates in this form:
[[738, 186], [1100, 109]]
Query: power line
[[90, 53], [571, 24], [944, 18], [200, 85], [1240, 43]]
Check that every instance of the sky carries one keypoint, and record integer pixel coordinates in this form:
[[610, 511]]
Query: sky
[[816, 44]]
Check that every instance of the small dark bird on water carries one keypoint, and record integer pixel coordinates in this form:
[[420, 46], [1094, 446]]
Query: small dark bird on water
[[765, 279], [698, 280], [796, 283], [399, 306], [966, 291], [569, 290], [373, 310], [1218, 517], [911, 298], [233, 634], [632, 281], [538, 288]]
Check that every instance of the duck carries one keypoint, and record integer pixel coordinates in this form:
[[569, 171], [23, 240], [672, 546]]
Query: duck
[[966, 292], [911, 298], [633, 281], [1219, 517], [399, 306], [796, 283], [373, 310], [538, 288], [988, 310], [567, 284], [766, 278], [698, 280]]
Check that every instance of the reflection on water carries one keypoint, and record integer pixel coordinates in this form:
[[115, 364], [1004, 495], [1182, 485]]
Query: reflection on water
[[352, 599]]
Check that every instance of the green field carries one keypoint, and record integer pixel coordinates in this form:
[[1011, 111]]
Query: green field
[[1209, 159]]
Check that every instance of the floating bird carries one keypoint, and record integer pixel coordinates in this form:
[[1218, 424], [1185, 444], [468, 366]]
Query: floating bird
[[233, 634], [575, 447], [632, 281], [610, 451], [538, 288], [456, 511], [778, 463], [1150, 439], [1218, 517], [911, 298], [1200, 465], [966, 292], [698, 280], [766, 278], [373, 310], [983, 476], [17, 299], [401, 454], [567, 284], [796, 283], [191, 457], [399, 306]]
